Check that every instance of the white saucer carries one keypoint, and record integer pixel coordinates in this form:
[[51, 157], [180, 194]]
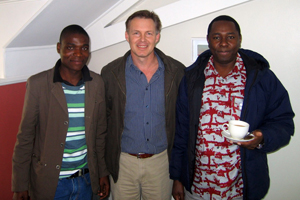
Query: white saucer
[[249, 137]]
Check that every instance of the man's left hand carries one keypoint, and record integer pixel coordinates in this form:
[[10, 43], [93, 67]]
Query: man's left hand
[[104, 187], [258, 138]]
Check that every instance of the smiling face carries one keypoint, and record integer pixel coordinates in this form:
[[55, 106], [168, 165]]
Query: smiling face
[[142, 37], [74, 52], [224, 42]]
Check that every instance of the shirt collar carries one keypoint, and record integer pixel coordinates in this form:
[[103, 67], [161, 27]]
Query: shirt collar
[[130, 65], [57, 77], [238, 66]]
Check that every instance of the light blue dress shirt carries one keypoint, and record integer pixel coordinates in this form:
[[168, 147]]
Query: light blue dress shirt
[[144, 123]]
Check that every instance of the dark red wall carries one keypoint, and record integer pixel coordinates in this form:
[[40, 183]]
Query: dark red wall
[[11, 105]]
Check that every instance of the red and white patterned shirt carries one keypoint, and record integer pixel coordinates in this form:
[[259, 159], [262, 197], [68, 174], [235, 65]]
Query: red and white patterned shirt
[[218, 163]]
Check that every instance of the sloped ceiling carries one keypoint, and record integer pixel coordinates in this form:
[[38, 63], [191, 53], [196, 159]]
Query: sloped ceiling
[[33, 46], [44, 28]]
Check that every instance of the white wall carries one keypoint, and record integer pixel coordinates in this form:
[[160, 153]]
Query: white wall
[[270, 27], [44, 57], [13, 18]]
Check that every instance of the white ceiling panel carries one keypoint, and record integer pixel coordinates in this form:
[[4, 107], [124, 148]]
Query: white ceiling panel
[[45, 28]]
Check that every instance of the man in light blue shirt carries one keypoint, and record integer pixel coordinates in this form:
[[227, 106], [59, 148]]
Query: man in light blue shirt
[[141, 90], [144, 111]]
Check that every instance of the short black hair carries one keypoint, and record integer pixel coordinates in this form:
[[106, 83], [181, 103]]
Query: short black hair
[[224, 18], [74, 28], [146, 14]]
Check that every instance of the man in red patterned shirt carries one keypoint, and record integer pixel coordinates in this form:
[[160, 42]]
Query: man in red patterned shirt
[[227, 83]]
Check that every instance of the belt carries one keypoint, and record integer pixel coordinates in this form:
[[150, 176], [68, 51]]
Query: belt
[[141, 155], [80, 172]]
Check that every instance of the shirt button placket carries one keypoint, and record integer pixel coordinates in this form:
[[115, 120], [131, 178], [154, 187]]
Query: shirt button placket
[[147, 105]]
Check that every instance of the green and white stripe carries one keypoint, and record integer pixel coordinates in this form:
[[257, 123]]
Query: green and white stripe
[[75, 152]]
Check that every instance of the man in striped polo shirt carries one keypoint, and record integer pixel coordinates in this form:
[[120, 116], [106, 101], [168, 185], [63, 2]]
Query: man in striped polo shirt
[[59, 153]]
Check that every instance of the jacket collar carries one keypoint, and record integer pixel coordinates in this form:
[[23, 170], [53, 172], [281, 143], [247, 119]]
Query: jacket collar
[[170, 70], [252, 60], [57, 91], [57, 77]]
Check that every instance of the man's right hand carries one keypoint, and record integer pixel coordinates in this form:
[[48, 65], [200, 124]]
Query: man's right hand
[[21, 195], [178, 191]]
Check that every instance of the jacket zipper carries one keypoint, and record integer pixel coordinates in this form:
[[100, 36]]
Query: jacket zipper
[[245, 197]]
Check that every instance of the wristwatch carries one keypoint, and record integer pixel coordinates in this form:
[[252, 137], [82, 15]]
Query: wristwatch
[[259, 146]]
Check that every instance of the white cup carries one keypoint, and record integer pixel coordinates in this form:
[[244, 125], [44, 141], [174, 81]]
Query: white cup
[[236, 128]]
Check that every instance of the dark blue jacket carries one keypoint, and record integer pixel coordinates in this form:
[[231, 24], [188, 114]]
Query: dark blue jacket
[[266, 107]]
